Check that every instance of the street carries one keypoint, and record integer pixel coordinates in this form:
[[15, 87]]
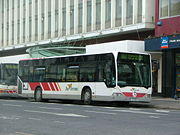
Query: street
[[25, 117]]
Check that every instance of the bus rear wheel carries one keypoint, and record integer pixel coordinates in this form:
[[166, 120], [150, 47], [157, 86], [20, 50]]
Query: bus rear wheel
[[86, 96], [38, 95]]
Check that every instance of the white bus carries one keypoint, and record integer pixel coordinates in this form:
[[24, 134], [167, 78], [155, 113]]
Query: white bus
[[113, 76], [8, 79]]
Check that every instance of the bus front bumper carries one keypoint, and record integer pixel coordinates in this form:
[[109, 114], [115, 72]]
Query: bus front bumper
[[131, 97]]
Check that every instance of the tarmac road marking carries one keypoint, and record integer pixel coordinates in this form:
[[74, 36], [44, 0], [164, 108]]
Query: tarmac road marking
[[9, 118], [155, 117], [34, 119], [163, 111], [57, 114], [109, 107], [50, 108], [139, 112], [68, 105], [59, 122], [21, 133], [12, 105], [101, 112]]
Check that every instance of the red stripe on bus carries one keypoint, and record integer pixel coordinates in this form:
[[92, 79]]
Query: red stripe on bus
[[56, 88], [59, 88], [11, 91], [130, 94], [46, 86], [34, 85], [52, 87]]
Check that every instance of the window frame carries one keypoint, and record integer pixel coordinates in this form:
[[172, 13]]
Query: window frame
[[169, 12]]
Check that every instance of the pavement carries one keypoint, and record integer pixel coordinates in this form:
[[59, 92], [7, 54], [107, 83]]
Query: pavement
[[165, 103], [161, 103]]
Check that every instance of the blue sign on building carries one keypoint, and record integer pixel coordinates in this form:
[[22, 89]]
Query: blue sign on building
[[164, 42], [158, 44]]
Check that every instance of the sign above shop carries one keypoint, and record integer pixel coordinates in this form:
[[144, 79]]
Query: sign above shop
[[158, 44], [164, 42]]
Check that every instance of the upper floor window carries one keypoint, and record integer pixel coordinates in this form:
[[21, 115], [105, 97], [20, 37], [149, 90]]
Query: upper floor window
[[169, 8]]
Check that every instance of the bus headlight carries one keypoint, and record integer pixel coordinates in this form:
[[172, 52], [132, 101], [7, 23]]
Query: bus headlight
[[116, 94], [148, 95]]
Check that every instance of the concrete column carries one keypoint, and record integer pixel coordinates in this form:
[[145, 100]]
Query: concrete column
[[53, 19], [33, 20], [76, 16], [60, 19], [113, 13], [46, 19], [103, 4], [135, 11], [67, 17], [15, 20], [143, 10], [124, 4], [5, 23], [1, 24], [39, 20], [10, 23], [21, 22], [148, 10], [26, 21], [93, 15], [84, 24]]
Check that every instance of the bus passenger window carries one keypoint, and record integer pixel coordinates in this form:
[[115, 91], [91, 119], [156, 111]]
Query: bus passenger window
[[39, 73], [72, 74], [100, 73]]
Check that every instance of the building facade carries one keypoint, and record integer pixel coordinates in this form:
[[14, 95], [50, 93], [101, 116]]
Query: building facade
[[167, 41], [26, 23], [37, 25]]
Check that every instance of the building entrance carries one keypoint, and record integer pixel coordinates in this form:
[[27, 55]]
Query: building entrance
[[177, 91], [156, 74], [155, 67]]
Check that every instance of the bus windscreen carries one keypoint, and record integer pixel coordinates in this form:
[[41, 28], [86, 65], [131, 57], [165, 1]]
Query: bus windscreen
[[9, 74], [133, 70]]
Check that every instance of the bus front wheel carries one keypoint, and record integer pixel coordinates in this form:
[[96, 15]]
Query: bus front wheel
[[86, 96], [38, 95]]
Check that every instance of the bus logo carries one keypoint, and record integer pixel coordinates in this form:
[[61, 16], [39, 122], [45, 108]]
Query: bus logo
[[70, 87], [134, 94]]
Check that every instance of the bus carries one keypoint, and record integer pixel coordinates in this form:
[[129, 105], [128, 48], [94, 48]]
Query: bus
[[111, 76], [8, 79]]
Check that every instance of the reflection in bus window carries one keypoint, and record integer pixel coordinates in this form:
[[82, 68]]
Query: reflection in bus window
[[39, 73], [51, 73], [72, 74], [61, 73], [87, 74], [9, 74]]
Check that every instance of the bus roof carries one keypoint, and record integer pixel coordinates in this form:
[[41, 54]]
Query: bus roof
[[3, 63], [85, 54]]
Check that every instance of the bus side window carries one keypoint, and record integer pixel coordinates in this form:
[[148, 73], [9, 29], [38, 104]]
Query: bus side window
[[84, 74], [88, 71], [72, 74], [39, 73], [61, 73], [0, 74], [109, 73], [51, 73], [23, 73], [100, 72]]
